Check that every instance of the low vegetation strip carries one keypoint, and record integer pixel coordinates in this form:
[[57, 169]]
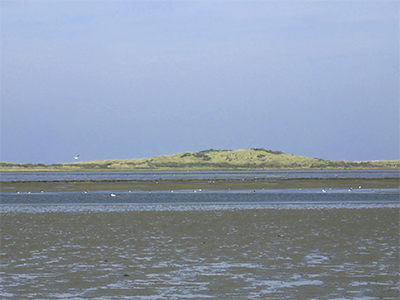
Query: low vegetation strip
[[254, 158]]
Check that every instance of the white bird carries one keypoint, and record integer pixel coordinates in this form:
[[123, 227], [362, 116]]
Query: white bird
[[113, 195], [323, 191], [76, 157]]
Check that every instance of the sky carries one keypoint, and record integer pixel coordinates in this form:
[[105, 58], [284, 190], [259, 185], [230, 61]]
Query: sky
[[137, 79]]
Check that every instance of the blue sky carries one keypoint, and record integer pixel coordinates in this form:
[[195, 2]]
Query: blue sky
[[134, 79]]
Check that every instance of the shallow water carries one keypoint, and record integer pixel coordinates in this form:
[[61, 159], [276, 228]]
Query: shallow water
[[204, 196], [201, 251], [201, 244]]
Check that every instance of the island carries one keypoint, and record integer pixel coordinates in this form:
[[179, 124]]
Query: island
[[242, 159]]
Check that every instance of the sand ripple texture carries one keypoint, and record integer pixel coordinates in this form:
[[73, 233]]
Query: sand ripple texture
[[210, 254]]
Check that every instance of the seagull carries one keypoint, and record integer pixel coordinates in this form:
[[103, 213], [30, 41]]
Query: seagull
[[113, 195], [76, 157]]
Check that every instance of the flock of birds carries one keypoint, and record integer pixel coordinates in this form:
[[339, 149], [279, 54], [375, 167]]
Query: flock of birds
[[350, 189], [113, 195], [199, 190]]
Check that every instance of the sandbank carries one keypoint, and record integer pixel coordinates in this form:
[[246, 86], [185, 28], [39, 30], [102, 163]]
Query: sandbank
[[157, 185]]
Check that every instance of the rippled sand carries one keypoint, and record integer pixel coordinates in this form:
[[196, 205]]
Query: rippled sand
[[320, 253]]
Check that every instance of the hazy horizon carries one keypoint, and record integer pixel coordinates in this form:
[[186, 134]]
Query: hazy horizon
[[138, 79]]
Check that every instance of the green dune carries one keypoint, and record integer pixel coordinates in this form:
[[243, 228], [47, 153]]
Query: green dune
[[254, 158]]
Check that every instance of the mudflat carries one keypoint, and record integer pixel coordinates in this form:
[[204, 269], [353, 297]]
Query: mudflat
[[154, 185], [277, 253]]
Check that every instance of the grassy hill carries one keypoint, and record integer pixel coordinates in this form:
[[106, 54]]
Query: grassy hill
[[254, 158]]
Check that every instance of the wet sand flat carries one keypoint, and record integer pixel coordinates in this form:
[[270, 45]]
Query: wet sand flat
[[145, 185], [216, 254]]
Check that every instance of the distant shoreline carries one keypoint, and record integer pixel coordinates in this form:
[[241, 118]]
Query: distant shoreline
[[208, 160], [78, 169]]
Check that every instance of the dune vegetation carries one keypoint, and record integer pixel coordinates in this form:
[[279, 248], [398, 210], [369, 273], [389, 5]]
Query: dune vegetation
[[254, 158]]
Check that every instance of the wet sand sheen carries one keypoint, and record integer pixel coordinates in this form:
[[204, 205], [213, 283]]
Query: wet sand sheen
[[231, 254]]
